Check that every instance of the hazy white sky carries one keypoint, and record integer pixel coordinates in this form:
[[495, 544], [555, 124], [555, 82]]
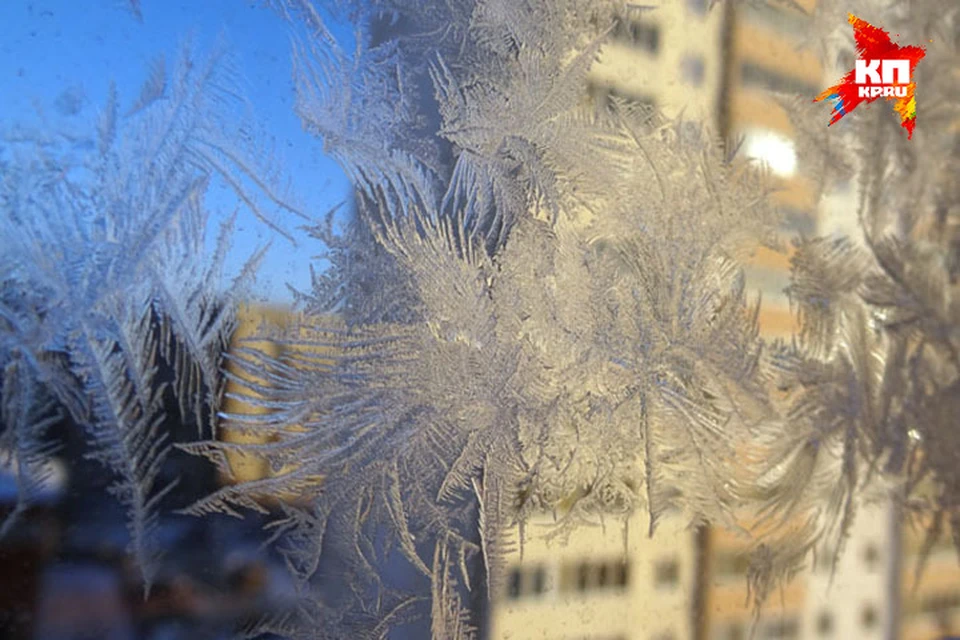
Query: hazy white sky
[[60, 55]]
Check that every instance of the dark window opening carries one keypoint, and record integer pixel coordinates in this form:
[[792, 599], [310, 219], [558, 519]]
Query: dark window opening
[[782, 629], [729, 564], [667, 573], [698, 7], [539, 580], [602, 576], [799, 222], [824, 624], [594, 575], [620, 574], [753, 75], [642, 35], [780, 16], [869, 617], [603, 98], [736, 631], [692, 70], [583, 577], [940, 602], [513, 584]]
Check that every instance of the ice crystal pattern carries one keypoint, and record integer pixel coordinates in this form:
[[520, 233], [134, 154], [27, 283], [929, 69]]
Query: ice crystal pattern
[[871, 381], [539, 307], [105, 280]]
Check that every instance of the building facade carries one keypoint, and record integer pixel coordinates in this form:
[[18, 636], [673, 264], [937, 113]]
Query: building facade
[[731, 67]]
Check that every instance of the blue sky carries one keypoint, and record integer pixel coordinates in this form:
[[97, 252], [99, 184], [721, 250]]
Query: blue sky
[[73, 48]]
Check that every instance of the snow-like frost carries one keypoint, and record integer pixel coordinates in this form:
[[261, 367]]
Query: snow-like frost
[[538, 307], [104, 279]]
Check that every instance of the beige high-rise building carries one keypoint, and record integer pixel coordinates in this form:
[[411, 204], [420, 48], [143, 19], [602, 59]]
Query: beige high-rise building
[[596, 585], [929, 609], [666, 55], [723, 67], [763, 58], [604, 583]]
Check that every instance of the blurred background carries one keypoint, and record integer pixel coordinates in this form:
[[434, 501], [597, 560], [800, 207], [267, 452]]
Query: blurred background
[[64, 571]]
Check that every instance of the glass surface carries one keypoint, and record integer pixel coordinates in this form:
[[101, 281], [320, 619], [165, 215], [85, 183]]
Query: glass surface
[[554, 319]]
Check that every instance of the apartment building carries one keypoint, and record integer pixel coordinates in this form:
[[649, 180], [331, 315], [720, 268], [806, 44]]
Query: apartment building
[[929, 608], [852, 599], [667, 55], [609, 582], [764, 61], [723, 66], [250, 320], [683, 59]]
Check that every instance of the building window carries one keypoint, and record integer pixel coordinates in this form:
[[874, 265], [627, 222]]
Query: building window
[[513, 583], [641, 34], [783, 629], [666, 574], [698, 7], [823, 563], [730, 564], [538, 581], [753, 75], [602, 576], [868, 617], [799, 222], [583, 577], [732, 631], [940, 602], [587, 576], [824, 623], [871, 557], [846, 58], [620, 574], [692, 70], [525, 581]]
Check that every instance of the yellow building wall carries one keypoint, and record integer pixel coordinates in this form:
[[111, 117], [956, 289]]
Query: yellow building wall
[[597, 587]]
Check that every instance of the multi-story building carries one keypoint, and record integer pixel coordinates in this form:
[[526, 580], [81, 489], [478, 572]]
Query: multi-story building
[[250, 320], [723, 66], [665, 55], [609, 582], [929, 608], [763, 61]]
